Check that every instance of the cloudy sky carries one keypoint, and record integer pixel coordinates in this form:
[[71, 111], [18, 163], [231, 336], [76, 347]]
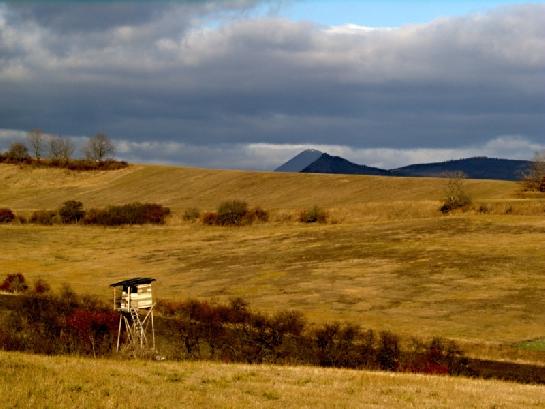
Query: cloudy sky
[[247, 83]]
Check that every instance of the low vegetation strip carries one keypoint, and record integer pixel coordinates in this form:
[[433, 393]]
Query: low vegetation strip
[[41, 322], [65, 323], [68, 382], [72, 212]]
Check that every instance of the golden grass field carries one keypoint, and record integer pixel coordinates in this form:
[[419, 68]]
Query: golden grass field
[[34, 188], [32, 381], [388, 260]]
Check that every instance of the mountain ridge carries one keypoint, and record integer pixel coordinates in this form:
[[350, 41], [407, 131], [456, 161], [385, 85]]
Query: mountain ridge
[[477, 167], [300, 161], [336, 164]]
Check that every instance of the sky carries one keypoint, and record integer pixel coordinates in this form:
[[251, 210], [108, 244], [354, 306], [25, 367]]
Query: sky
[[247, 84]]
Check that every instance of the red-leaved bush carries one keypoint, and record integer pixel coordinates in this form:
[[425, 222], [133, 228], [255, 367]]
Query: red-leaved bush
[[93, 329], [6, 215], [14, 283]]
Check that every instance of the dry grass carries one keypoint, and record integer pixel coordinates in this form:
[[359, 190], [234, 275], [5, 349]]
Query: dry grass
[[473, 278], [391, 261], [28, 188], [65, 382]]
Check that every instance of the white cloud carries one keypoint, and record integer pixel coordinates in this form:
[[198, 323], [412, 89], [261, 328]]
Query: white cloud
[[372, 94], [267, 156]]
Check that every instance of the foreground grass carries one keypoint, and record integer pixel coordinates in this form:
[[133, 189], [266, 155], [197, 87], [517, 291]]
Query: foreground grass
[[30, 381]]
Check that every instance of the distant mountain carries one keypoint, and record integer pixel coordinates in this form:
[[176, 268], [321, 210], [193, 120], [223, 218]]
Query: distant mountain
[[300, 161], [473, 168], [335, 164]]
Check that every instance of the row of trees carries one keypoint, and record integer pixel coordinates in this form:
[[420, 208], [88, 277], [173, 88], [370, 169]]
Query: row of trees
[[56, 148]]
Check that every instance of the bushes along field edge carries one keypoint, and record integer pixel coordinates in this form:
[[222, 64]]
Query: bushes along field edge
[[66, 323]]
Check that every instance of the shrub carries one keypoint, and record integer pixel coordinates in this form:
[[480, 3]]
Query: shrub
[[86, 165], [41, 286], [235, 213], [21, 219], [232, 212], [533, 178], [93, 330], [18, 152], [388, 353], [46, 217], [191, 214], [542, 185], [257, 214], [6, 215], [313, 215], [209, 218], [438, 357], [484, 208], [14, 283], [133, 213], [71, 211], [456, 196], [92, 216]]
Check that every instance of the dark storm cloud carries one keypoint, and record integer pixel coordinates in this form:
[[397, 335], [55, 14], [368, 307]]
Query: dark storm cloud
[[200, 73]]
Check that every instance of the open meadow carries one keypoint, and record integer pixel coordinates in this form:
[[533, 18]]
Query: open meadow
[[388, 259], [68, 382]]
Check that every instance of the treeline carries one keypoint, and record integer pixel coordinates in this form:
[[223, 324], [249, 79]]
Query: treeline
[[72, 212], [54, 151], [65, 323]]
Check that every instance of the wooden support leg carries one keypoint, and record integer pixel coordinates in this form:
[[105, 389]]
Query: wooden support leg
[[119, 332], [152, 332]]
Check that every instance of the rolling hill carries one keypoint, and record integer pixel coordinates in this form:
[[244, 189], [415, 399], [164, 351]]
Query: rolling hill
[[30, 188]]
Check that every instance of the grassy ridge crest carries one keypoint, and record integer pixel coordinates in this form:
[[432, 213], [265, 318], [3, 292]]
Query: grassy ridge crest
[[33, 188]]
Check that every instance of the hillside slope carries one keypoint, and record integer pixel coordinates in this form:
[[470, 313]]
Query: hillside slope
[[478, 168], [29, 188], [60, 382]]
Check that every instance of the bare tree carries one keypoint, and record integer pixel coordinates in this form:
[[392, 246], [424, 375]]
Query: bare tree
[[61, 149], [36, 141], [456, 195], [18, 152], [99, 147], [533, 179]]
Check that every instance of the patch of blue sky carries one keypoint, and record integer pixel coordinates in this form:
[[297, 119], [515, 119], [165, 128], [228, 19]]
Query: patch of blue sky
[[385, 13]]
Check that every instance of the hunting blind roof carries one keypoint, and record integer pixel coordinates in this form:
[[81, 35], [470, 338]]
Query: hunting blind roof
[[133, 282]]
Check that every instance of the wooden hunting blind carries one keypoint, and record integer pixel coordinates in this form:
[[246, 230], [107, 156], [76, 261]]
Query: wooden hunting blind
[[133, 298]]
